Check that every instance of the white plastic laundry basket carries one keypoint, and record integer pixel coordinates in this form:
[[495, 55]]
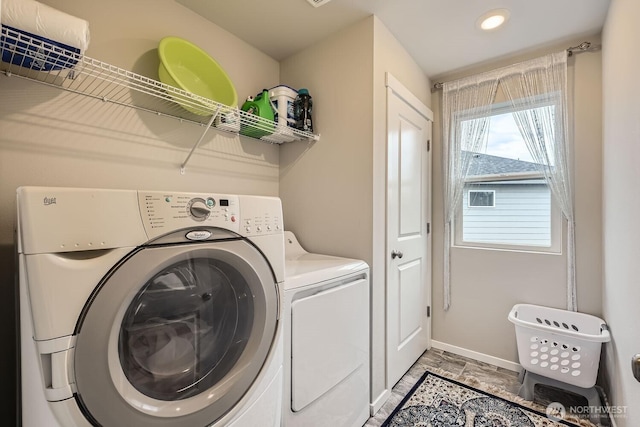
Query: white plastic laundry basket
[[559, 344]]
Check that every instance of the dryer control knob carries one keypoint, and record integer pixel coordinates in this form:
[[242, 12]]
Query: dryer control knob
[[198, 209]]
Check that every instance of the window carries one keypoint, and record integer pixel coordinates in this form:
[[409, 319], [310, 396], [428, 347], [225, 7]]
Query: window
[[481, 199], [537, 100], [506, 202]]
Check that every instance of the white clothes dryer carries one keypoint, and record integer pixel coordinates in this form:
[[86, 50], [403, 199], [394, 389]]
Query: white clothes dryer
[[149, 308], [326, 325]]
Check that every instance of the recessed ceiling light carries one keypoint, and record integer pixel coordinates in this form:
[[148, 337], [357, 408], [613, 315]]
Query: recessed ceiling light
[[493, 19], [318, 3]]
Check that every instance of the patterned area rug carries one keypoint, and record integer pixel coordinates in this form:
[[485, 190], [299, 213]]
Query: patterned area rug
[[436, 401]]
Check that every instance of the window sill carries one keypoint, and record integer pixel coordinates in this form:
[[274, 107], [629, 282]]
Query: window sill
[[526, 250]]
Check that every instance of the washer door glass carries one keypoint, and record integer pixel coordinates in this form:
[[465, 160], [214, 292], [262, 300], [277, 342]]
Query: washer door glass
[[185, 329], [177, 333]]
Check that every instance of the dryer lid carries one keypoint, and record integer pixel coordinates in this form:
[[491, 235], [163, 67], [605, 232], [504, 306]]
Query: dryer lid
[[303, 268]]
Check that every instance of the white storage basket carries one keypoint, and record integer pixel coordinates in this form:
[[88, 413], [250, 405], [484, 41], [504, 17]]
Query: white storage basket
[[559, 344], [227, 119]]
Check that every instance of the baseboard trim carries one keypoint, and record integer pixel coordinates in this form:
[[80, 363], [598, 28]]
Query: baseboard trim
[[506, 364], [379, 401]]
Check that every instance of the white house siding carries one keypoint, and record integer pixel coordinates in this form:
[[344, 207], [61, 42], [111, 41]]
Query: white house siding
[[521, 215]]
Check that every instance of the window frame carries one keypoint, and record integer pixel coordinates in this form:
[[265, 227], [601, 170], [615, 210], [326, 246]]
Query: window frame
[[555, 214], [493, 199]]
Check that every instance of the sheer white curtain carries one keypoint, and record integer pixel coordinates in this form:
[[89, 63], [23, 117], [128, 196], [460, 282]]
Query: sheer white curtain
[[466, 107], [545, 131], [472, 99]]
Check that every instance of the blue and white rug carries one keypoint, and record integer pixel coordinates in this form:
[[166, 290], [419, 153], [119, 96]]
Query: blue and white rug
[[436, 401]]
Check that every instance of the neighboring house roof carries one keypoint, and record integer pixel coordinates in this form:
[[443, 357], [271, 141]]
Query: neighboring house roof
[[485, 164]]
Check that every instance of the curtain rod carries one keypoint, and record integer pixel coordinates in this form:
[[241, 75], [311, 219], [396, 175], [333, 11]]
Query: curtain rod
[[582, 47]]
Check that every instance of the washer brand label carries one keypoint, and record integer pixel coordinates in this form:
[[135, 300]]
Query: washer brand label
[[198, 235], [49, 201]]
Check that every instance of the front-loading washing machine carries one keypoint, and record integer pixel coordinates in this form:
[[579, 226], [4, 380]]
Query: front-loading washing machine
[[149, 308], [326, 325]]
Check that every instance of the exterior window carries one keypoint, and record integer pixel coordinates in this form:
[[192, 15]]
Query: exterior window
[[525, 217], [481, 199]]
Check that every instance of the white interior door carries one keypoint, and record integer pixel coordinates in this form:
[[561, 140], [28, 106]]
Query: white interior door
[[408, 237]]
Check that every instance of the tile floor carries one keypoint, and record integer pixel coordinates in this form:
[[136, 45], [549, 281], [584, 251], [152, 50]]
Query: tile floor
[[458, 367]]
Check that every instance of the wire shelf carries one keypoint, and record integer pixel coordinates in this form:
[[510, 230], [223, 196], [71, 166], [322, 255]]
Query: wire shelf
[[46, 62]]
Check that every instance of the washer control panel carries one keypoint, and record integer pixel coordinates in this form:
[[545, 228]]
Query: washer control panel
[[164, 212]]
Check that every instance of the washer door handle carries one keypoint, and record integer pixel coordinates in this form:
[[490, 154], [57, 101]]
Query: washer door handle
[[396, 254]]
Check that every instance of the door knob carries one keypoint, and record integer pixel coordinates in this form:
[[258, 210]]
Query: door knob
[[396, 254], [635, 366]]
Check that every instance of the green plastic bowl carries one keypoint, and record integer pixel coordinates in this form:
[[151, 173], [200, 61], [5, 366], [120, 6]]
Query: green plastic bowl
[[187, 67]]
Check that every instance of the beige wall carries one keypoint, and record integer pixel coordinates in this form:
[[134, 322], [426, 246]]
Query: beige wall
[[621, 204], [326, 186], [54, 138], [333, 191], [485, 284]]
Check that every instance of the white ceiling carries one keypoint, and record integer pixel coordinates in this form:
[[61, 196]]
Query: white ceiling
[[441, 35]]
